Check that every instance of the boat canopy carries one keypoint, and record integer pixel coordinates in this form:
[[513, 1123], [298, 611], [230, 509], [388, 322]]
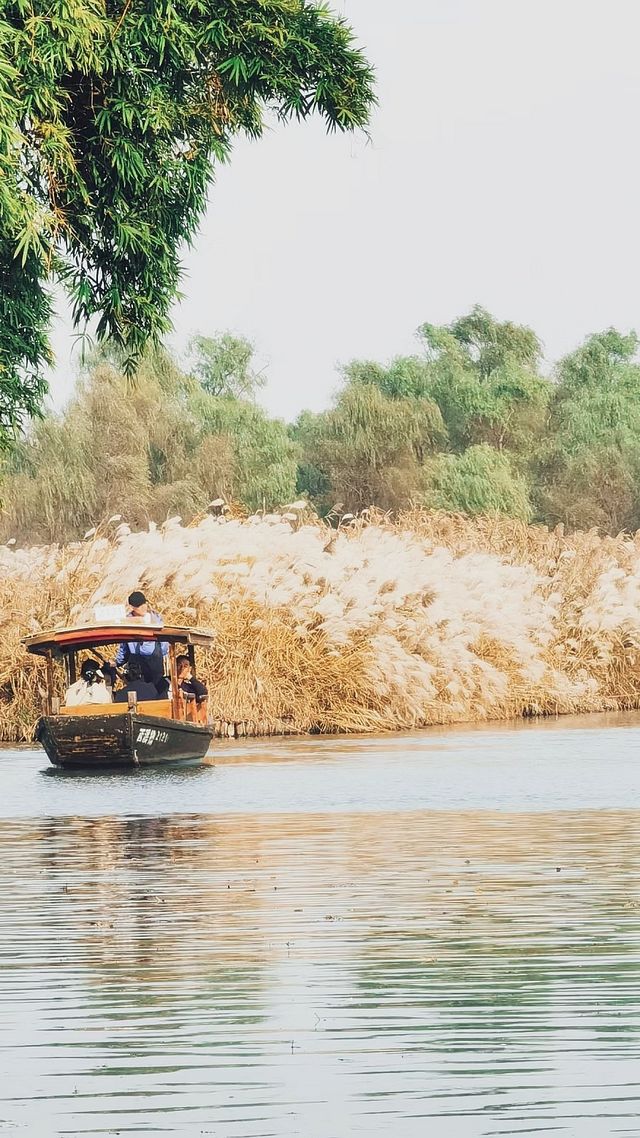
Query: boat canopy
[[62, 640]]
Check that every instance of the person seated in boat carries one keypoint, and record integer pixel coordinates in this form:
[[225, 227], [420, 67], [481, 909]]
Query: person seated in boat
[[191, 689], [90, 688], [110, 673], [151, 653], [137, 684]]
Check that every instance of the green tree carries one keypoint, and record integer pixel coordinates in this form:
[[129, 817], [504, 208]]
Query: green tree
[[223, 365], [264, 456], [484, 377], [588, 465], [480, 481], [369, 450], [148, 450], [482, 374], [112, 117], [479, 339]]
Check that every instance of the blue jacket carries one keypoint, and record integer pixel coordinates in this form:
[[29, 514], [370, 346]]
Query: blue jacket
[[142, 647]]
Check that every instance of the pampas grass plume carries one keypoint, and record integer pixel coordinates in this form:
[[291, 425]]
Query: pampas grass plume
[[379, 625]]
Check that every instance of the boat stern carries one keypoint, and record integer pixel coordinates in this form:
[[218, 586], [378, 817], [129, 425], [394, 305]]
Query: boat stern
[[82, 741]]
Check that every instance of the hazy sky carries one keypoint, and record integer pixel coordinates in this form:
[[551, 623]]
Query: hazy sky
[[502, 169]]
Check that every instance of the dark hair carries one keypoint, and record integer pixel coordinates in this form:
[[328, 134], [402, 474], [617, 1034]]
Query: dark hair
[[181, 661], [136, 599], [135, 671], [90, 671]]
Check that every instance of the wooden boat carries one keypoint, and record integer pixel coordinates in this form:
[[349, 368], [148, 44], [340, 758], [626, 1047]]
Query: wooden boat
[[137, 734]]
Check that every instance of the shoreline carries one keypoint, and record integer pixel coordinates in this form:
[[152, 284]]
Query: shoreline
[[391, 625], [257, 730]]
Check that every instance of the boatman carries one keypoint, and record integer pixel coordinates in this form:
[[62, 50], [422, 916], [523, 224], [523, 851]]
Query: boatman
[[151, 653]]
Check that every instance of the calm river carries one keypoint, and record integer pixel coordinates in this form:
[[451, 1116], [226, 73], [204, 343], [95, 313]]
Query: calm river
[[429, 935]]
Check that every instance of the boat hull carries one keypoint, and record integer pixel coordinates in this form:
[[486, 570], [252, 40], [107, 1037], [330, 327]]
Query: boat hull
[[88, 742]]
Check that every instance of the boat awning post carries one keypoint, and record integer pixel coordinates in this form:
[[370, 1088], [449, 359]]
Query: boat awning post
[[49, 682], [173, 676]]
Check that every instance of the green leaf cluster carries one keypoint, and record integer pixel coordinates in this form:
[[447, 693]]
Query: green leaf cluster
[[482, 480], [113, 115]]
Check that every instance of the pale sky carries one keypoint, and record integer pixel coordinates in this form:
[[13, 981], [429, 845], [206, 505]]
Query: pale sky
[[502, 170]]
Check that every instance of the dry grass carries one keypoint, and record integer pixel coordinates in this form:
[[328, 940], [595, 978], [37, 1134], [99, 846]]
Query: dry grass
[[431, 618]]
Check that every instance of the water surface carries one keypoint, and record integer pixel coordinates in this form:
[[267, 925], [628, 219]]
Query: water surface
[[430, 934]]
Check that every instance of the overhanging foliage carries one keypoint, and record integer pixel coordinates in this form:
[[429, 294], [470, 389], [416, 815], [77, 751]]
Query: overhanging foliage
[[112, 118]]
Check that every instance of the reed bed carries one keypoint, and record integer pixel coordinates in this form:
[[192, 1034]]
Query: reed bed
[[381, 625]]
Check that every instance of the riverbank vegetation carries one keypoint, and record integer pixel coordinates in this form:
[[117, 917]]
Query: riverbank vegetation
[[432, 618], [372, 567], [471, 423]]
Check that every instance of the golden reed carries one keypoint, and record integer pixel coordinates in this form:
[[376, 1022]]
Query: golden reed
[[384, 624]]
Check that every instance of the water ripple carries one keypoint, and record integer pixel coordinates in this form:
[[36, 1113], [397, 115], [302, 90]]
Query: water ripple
[[456, 973]]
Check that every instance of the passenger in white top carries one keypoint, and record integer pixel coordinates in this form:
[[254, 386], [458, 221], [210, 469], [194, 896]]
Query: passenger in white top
[[90, 688]]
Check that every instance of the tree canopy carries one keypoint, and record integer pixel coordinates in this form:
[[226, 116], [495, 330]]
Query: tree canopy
[[465, 427], [510, 439], [112, 117], [587, 467], [224, 366], [369, 449], [160, 447]]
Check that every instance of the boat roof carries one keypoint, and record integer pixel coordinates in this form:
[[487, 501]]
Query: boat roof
[[61, 640]]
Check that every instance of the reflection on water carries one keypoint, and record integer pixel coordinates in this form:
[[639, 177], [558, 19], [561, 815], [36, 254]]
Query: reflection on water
[[449, 973]]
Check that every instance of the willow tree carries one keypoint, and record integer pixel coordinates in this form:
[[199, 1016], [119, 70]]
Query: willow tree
[[176, 449], [113, 115], [368, 450], [484, 376], [482, 480], [588, 465]]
